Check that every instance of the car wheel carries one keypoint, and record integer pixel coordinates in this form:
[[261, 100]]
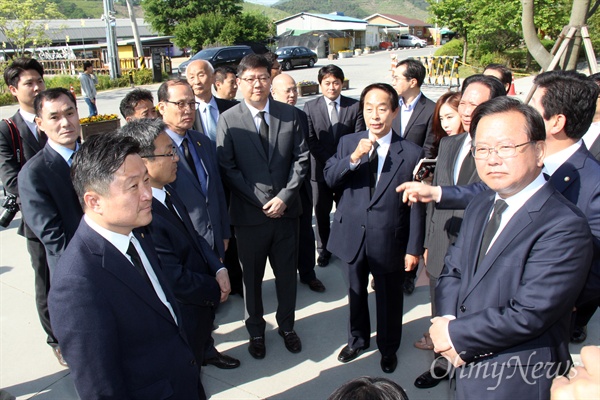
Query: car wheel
[[287, 66], [311, 63]]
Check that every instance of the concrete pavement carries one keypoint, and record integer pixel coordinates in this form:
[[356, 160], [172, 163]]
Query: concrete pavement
[[28, 368]]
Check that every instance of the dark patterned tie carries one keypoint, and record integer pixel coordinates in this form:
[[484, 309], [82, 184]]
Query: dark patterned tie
[[373, 167], [137, 262], [188, 156], [466, 170], [491, 228], [264, 132]]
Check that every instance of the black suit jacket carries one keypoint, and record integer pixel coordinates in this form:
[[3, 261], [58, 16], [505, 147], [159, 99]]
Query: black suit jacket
[[118, 337], [9, 167], [595, 148], [49, 203], [322, 142], [222, 105], [419, 128]]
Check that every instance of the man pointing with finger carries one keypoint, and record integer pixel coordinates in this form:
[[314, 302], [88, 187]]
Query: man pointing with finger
[[372, 230]]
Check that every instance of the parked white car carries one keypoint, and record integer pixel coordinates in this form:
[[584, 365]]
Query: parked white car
[[411, 41]]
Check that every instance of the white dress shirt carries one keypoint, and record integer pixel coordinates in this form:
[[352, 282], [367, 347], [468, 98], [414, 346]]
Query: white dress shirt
[[406, 111]]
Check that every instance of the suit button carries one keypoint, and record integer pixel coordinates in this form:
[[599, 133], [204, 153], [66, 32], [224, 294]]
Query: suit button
[[463, 309], [362, 227], [209, 226], [193, 362]]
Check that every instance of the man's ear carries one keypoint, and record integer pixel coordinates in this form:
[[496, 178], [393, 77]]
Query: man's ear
[[556, 124], [93, 201]]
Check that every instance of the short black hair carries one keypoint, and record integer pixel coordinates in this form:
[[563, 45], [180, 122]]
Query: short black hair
[[414, 70], [571, 94], [145, 132], [367, 388], [536, 130], [496, 87], [49, 95], [131, 100], [504, 71], [222, 72], [331, 69], [13, 72], [253, 61], [97, 160], [163, 89], [381, 86], [87, 64], [595, 78]]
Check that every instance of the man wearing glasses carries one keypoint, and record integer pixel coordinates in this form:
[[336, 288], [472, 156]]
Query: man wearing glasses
[[198, 181], [264, 160]]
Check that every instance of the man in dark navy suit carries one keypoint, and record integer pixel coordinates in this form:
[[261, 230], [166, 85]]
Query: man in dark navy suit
[[373, 231], [48, 201], [111, 307]]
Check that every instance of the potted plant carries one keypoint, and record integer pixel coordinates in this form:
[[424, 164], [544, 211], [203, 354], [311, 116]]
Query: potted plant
[[102, 123], [307, 87], [345, 53]]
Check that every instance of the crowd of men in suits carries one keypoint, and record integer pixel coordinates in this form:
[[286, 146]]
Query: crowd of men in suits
[[137, 236]]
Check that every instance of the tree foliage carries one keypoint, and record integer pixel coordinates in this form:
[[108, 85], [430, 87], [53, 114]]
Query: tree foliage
[[165, 15], [20, 22]]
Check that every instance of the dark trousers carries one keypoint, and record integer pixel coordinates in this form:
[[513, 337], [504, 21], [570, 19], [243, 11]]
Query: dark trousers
[[586, 311], [197, 323], [232, 263], [306, 242], [276, 239], [41, 274], [389, 299], [322, 202]]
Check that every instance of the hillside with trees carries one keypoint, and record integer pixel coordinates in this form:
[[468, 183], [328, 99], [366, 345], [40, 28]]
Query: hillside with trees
[[358, 8]]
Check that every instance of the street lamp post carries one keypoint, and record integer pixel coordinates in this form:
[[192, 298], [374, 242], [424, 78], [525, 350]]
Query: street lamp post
[[110, 22]]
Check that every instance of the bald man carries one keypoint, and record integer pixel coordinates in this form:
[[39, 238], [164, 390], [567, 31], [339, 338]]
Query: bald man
[[284, 89]]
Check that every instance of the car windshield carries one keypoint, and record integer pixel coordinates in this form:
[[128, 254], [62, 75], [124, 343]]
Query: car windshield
[[204, 54], [284, 52]]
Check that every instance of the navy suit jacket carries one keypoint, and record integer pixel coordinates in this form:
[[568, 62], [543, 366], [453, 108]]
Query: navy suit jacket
[[222, 105], [419, 127], [187, 260], [322, 142], [595, 148], [384, 224], [10, 167], [577, 180], [208, 212], [49, 203], [119, 339], [518, 302]]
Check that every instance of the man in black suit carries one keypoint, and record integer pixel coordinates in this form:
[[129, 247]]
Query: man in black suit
[[24, 77], [373, 231], [284, 89], [225, 83], [200, 75], [329, 118], [49, 202], [198, 182], [264, 159], [110, 304], [196, 275], [414, 120], [138, 104], [592, 137]]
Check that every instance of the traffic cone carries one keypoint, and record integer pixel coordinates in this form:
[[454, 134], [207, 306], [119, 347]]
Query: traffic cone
[[511, 90], [72, 90]]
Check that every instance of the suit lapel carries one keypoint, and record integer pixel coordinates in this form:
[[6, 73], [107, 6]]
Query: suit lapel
[[454, 149], [202, 154], [595, 148], [393, 161], [567, 174], [274, 127], [247, 122], [419, 107], [27, 136]]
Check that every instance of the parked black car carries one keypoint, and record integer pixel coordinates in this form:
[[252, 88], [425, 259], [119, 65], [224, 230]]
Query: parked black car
[[218, 56], [292, 56]]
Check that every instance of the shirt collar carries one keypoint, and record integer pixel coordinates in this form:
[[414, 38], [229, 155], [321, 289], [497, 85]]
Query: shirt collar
[[64, 152], [27, 117], [202, 104], [254, 111], [517, 200], [159, 194], [383, 141], [410, 106], [337, 101], [554, 161], [120, 241], [176, 138]]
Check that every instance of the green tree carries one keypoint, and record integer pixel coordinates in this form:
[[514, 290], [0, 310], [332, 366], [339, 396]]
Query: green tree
[[248, 27], [199, 32], [165, 15], [20, 22], [457, 15]]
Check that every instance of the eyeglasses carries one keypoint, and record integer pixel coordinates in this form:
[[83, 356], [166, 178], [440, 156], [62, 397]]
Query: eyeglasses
[[251, 81], [172, 154], [502, 150], [183, 104]]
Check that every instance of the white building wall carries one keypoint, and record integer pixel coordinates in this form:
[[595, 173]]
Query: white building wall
[[309, 23]]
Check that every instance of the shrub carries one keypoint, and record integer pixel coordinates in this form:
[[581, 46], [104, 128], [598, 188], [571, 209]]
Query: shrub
[[7, 99], [452, 48]]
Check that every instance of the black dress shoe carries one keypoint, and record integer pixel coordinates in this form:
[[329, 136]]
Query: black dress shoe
[[348, 354], [222, 361], [409, 285], [323, 260], [579, 334], [59, 356], [389, 363], [257, 348], [315, 285], [427, 380], [291, 340]]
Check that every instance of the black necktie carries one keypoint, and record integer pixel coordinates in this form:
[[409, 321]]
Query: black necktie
[[373, 166], [188, 156], [172, 208], [466, 170], [137, 262], [491, 228], [264, 132]]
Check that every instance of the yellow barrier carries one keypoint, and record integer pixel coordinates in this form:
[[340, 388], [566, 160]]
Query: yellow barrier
[[441, 71]]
